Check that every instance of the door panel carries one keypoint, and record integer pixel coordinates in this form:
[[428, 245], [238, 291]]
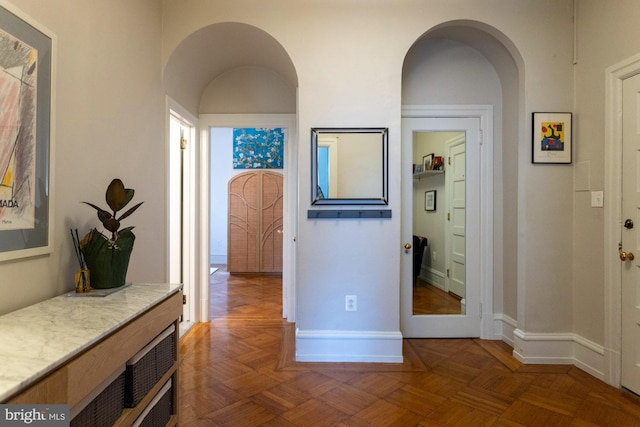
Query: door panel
[[466, 274], [271, 223], [630, 237], [456, 230], [255, 223]]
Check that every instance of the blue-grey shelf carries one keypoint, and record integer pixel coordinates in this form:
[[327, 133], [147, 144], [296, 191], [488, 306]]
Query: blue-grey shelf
[[348, 213]]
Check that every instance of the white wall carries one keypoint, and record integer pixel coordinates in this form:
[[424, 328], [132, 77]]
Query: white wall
[[221, 172], [336, 258], [595, 51], [110, 114], [109, 122]]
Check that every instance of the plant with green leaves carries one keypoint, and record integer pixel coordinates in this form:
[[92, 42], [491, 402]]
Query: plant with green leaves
[[108, 258], [117, 198]]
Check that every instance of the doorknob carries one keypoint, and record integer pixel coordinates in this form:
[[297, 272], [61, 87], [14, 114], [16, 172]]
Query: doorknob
[[626, 256], [628, 224], [407, 246]]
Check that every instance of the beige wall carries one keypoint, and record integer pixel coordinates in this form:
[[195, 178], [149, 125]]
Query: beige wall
[[109, 122], [350, 74], [607, 33]]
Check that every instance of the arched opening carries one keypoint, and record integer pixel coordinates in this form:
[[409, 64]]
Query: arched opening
[[232, 75], [467, 63]]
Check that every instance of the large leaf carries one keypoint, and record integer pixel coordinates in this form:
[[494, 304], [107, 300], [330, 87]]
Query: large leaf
[[130, 211], [116, 195], [102, 214]]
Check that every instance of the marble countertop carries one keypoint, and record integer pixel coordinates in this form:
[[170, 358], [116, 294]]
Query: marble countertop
[[39, 338]]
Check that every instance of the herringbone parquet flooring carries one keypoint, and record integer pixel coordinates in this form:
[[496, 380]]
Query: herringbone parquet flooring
[[239, 370]]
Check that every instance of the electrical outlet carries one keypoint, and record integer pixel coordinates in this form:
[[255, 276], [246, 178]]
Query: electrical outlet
[[350, 303], [433, 255]]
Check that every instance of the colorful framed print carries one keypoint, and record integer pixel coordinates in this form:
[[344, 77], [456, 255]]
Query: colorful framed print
[[27, 58], [430, 200], [258, 148], [552, 138]]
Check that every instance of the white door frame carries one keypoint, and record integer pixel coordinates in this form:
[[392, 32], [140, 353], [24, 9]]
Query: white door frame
[[485, 114], [290, 208], [615, 75], [190, 312]]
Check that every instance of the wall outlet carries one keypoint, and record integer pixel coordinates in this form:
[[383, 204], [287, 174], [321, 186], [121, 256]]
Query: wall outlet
[[433, 256], [350, 303]]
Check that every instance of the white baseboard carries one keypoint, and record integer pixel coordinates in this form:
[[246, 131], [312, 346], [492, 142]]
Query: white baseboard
[[543, 348], [348, 346], [503, 327], [435, 277], [564, 349]]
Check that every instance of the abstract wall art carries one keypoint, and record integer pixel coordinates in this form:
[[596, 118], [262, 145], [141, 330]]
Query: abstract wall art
[[551, 142], [26, 67]]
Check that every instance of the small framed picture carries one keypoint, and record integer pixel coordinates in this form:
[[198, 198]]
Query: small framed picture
[[430, 200], [427, 162], [552, 139]]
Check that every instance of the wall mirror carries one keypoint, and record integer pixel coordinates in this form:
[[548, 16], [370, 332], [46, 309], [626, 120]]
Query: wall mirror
[[349, 166]]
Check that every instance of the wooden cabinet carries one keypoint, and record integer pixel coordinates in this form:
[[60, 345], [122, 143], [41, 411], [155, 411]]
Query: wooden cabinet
[[78, 378], [255, 223]]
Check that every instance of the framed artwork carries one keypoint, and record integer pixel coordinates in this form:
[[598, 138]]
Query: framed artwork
[[427, 162], [258, 148], [430, 200], [27, 59], [552, 139]]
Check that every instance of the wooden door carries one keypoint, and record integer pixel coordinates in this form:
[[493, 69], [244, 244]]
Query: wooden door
[[255, 223]]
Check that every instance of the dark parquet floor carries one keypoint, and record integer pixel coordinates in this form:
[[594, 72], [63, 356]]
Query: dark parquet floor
[[239, 370]]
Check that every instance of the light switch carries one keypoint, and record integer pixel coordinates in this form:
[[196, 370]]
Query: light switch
[[597, 199]]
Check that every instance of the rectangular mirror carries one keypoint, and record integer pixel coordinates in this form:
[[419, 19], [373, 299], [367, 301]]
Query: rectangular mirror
[[349, 166]]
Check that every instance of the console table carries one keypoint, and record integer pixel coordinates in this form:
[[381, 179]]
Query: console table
[[62, 350]]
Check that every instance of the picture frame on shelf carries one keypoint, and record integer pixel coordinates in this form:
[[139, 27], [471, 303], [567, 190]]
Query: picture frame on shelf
[[430, 200], [552, 138], [427, 162]]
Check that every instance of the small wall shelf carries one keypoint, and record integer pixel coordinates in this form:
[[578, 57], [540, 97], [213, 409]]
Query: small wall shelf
[[348, 213], [427, 174]]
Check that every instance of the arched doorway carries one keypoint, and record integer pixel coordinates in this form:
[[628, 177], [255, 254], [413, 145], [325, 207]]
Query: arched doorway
[[234, 69], [460, 65]]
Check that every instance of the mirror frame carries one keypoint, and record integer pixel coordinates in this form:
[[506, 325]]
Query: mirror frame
[[382, 199]]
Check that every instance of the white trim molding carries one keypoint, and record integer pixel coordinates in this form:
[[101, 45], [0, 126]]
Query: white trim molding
[[561, 349], [614, 78], [503, 328], [348, 346]]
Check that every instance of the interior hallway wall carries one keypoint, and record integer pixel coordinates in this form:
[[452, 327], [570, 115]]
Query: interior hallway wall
[[109, 122]]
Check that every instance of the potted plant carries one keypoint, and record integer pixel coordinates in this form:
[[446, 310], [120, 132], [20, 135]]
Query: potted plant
[[108, 257]]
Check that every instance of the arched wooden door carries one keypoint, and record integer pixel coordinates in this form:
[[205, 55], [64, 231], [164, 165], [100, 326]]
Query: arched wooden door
[[255, 223]]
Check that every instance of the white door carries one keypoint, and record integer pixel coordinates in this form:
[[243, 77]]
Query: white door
[[455, 225], [630, 238], [464, 324], [180, 182]]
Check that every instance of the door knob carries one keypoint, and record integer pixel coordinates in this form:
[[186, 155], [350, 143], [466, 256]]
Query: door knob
[[407, 246], [626, 256], [628, 224]]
